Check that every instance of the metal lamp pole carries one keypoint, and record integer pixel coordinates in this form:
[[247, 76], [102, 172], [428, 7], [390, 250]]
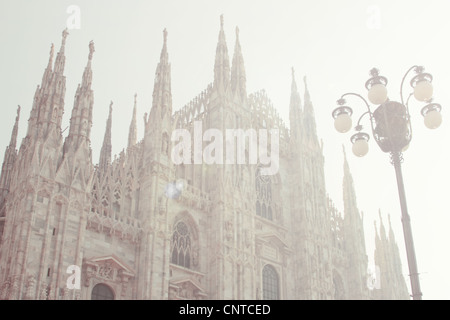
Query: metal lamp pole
[[391, 128], [407, 232]]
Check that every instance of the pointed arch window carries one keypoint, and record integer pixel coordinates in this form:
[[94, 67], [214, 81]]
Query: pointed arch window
[[271, 283], [181, 245], [263, 185]]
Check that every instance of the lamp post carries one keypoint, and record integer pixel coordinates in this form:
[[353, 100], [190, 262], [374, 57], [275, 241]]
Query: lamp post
[[391, 128]]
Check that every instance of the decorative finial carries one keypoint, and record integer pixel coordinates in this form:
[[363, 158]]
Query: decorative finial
[[165, 35], [306, 83], [237, 32], [221, 21], [110, 107], [18, 113], [374, 72], [91, 49], [52, 50], [135, 98]]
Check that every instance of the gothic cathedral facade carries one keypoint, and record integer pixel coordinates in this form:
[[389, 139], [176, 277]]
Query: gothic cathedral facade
[[230, 233]]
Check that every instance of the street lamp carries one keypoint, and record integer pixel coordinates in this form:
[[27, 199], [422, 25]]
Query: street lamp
[[391, 129]]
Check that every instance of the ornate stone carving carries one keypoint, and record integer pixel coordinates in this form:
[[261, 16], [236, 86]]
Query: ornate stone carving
[[66, 294], [124, 288], [184, 292], [106, 272], [14, 289], [5, 288], [229, 230], [173, 293], [31, 287], [109, 269], [44, 292]]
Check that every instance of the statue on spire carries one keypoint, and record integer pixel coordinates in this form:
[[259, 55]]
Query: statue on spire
[[65, 33], [52, 51], [18, 113], [165, 35], [91, 49]]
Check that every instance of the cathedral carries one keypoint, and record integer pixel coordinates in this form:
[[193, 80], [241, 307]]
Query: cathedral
[[72, 229]]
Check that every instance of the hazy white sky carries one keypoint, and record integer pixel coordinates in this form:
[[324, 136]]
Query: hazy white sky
[[334, 43]]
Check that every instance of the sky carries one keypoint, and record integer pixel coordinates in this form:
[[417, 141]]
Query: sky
[[333, 43]]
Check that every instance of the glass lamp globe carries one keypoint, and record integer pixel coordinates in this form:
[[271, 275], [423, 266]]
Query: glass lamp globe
[[343, 123], [377, 94], [360, 147], [423, 91], [433, 119]]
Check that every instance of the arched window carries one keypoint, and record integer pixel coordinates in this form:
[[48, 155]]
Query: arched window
[[181, 245], [263, 195], [271, 283], [102, 292]]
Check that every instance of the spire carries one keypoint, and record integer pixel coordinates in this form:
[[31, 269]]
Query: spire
[[81, 119], [132, 135], [46, 78], [13, 141], [222, 63], [238, 78], [400, 287], [105, 153], [309, 117], [382, 229], [350, 206], [50, 60], [377, 237], [164, 54], [162, 91], [8, 161], [294, 107], [48, 105], [87, 74], [391, 232], [346, 166], [60, 57], [387, 258]]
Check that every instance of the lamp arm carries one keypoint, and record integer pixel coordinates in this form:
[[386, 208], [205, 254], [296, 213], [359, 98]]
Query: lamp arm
[[367, 105], [359, 96], [360, 118], [403, 81], [409, 116]]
